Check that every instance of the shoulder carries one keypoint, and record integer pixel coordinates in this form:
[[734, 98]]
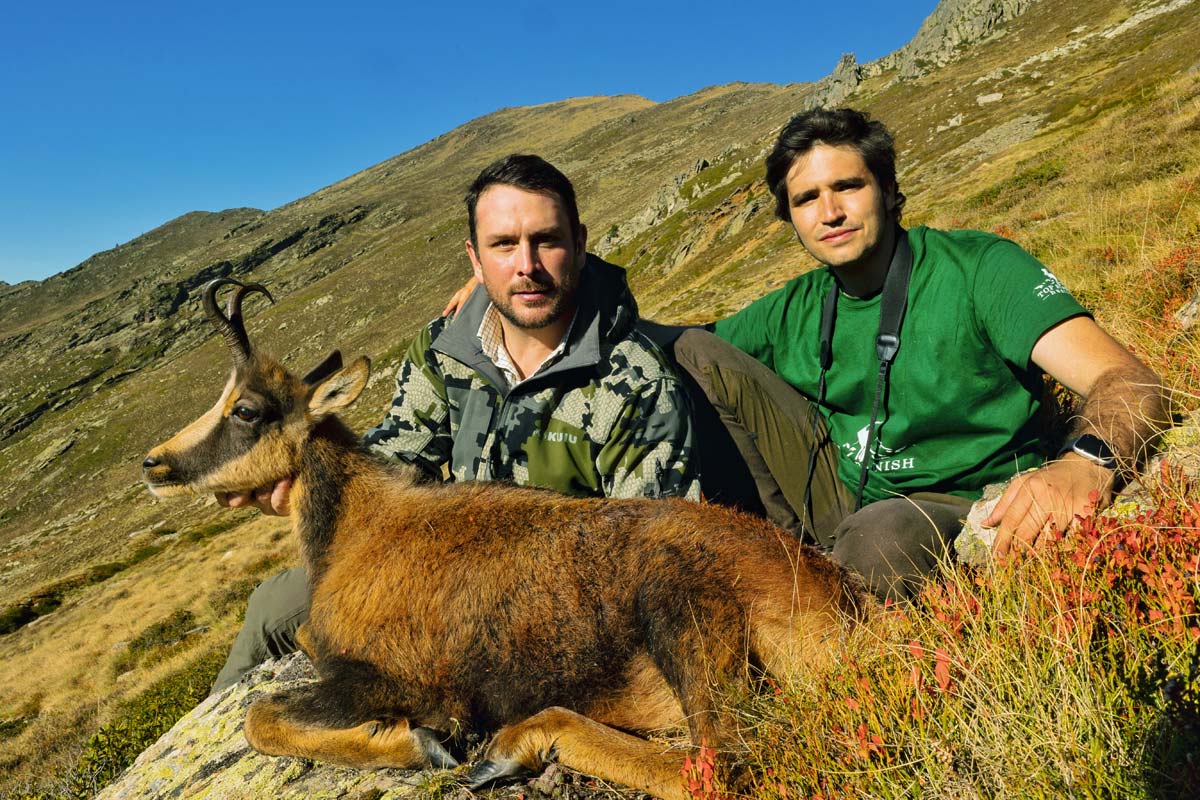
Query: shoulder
[[635, 361], [967, 247], [426, 358], [423, 341]]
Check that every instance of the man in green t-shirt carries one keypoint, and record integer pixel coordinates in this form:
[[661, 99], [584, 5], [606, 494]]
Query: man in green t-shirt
[[959, 409]]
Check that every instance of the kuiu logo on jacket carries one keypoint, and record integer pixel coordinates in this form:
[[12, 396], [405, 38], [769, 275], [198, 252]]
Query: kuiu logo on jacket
[[558, 436]]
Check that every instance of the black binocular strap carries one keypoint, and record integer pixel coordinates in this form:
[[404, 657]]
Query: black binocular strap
[[887, 344]]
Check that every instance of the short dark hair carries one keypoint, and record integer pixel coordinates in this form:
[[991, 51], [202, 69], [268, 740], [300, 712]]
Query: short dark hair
[[838, 127], [531, 173]]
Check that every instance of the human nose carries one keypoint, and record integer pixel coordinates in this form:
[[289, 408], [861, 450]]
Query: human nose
[[829, 207], [527, 258]]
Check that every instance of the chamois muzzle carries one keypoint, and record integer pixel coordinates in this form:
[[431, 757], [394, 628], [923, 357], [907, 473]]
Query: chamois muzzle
[[230, 324]]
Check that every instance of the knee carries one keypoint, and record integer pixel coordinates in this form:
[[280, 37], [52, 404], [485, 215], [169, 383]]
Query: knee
[[892, 545], [697, 350], [265, 598], [278, 605]]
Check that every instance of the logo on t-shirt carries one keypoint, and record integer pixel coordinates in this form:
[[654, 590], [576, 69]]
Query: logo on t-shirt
[[883, 460], [1050, 286]]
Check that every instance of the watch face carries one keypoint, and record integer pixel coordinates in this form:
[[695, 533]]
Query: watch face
[[1095, 449]]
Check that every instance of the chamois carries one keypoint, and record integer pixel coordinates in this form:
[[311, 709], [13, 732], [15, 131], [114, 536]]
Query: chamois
[[557, 623]]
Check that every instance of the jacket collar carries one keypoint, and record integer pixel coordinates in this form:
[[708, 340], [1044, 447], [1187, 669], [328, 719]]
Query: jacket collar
[[606, 314]]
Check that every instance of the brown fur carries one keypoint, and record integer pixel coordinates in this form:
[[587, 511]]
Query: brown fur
[[482, 607]]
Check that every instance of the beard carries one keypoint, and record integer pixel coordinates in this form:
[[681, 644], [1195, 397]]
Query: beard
[[560, 298]]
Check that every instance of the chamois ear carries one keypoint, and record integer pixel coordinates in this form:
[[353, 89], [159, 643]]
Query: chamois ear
[[331, 364], [340, 389]]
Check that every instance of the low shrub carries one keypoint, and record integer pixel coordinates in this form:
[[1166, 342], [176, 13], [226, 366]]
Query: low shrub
[[156, 642], [137, 723], [47, 600], [1073, 670], [1011, 190]]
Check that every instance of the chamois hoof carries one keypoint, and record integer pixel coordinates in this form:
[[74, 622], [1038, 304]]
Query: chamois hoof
[[487, 772], [438, 756]]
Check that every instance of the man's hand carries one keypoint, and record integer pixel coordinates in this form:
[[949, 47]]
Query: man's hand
[[460, 297], [274, 500], [1056, 493]]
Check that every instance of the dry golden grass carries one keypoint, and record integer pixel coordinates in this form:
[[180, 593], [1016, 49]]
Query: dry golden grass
[[62, 667]]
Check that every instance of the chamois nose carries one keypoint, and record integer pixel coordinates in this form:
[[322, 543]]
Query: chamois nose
[[150, 462]]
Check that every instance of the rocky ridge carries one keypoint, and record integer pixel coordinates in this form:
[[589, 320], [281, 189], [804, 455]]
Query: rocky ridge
[[946, 34]]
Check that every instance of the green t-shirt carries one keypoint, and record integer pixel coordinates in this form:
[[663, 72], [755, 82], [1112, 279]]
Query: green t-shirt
[[963, 397]]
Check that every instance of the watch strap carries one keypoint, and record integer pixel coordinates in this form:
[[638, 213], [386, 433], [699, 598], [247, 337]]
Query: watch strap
[[1091, 447]]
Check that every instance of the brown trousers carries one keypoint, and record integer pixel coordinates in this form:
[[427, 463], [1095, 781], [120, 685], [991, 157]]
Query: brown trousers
[[772, 431]]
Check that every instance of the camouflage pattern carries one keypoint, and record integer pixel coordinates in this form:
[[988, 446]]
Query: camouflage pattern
[[609, 418]]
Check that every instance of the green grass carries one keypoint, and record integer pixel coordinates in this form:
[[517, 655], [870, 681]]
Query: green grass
[[13, 726], [210, 529], [1010, 191], [156, 642], [135, 725]]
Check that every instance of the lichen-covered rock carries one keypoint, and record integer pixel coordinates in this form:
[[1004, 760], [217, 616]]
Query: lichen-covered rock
[[974, 543], [206, 755]]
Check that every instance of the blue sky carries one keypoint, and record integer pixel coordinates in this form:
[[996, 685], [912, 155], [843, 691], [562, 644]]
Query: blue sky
[[116, 117]]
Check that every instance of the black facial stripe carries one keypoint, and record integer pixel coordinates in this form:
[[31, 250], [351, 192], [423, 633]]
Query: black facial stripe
[[228, 440]]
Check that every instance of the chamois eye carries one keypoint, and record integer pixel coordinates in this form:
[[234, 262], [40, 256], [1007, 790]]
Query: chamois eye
[[245, 413]]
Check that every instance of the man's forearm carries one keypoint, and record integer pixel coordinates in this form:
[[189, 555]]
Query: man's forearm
[[1128, 408]]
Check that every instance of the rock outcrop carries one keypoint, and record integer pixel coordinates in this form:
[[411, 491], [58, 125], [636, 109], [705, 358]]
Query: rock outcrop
[[945, 35], [952, 26], [205, 755]]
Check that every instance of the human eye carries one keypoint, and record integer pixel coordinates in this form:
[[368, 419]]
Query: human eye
[[548, 240]]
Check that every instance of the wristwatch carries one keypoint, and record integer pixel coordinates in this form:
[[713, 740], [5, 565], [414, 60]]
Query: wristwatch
[[1093, 448]]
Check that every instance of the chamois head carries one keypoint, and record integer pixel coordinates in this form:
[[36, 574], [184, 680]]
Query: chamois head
[[252, 437]]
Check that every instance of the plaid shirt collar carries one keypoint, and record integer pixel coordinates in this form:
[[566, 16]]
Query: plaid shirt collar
[[491, 339]]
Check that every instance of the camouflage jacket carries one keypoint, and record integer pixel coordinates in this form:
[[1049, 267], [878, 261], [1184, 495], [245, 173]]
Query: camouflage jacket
[[607, 418]]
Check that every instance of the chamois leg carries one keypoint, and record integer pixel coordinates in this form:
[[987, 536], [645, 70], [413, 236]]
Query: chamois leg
[[793, 632], [701, 653], [284, 725], [582, 744]]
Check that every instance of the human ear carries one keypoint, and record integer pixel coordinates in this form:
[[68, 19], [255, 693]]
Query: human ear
[[475, 265]]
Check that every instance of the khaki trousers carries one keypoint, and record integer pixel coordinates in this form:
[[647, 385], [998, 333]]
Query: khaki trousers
[[892, 543]]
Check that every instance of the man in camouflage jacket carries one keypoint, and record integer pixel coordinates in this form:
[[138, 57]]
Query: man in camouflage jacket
[[541, 380], [606, 418]]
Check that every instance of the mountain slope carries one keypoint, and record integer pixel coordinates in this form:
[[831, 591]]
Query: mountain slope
[[1073, 127]]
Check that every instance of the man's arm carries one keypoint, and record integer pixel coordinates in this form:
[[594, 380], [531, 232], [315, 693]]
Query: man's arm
[[1125, 405], [651, 451], [416, 426], [459, 298]]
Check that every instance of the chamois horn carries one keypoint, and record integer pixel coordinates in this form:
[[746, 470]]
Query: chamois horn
[[230, 324]]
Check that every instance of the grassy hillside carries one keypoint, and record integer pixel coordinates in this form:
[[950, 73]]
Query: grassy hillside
[[1075, 131]]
